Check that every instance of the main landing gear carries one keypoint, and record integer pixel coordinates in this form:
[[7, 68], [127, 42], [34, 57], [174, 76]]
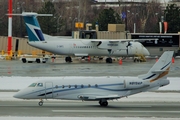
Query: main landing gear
[[108, 60], [103, 103], [41, 103], [68, 59]]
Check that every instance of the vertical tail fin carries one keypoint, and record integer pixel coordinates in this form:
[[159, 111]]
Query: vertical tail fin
[[160, 69], [32, 26]]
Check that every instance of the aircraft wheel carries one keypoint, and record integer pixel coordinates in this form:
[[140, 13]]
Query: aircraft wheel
[[105, 103], [38, 60], [40, 103], [24, 60], [68, 59], [109, 60]]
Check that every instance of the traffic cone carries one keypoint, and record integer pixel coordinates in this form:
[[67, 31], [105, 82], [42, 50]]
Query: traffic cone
[[172, 59], [120, 61], [89, 58], [156, 59]]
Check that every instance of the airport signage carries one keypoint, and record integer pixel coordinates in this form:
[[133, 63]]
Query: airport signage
[[163, 40]]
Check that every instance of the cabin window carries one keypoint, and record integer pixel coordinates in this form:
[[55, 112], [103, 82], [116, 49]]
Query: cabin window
[[96, 85], [75, 86], [56, 86], [62, 86], [82, 86], [89, 85], [33, 85], [69, 86], [40, 85]]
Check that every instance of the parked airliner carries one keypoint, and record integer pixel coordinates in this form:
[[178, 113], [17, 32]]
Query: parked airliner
[[99, 89], [79, 47]]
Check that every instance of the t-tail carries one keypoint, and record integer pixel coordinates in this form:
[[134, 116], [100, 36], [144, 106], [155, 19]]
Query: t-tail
[[160, 69], [32, 25]]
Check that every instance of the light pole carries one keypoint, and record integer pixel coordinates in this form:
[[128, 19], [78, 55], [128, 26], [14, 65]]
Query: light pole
[[73, 23], [134, 21]]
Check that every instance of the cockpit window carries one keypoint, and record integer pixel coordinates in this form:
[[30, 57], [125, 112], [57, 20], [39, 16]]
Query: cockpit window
[[33, 85], [39, 84]]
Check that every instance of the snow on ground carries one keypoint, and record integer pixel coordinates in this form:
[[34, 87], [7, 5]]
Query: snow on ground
[[17, 83]]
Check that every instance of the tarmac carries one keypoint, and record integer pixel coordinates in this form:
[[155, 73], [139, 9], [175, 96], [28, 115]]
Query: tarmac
[[90, 109], [86, 109], [81, 68]]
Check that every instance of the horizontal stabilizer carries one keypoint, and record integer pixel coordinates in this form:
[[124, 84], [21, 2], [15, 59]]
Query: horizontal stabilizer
[[159, 71], [30, 14]]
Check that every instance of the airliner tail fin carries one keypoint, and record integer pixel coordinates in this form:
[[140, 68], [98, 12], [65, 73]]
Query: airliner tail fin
[[160, 69], [32, 25]]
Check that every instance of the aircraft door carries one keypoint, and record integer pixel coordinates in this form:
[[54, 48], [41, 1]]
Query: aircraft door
[[48, 90]]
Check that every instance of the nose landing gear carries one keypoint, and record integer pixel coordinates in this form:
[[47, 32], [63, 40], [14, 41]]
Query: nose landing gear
[[41, 103]]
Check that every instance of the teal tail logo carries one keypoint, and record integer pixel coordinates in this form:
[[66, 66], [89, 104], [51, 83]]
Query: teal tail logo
[[33, 29]]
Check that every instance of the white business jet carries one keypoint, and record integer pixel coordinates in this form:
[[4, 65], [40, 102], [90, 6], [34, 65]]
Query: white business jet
[[79, 47], [99, 89]]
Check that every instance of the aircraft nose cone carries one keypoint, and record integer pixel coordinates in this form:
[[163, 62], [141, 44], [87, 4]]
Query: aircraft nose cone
[[146, 52], [17, 95]]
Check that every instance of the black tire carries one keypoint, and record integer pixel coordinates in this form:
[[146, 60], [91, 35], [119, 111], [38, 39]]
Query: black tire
[[38, 60], [103, 103], [68, 59], [40, 103], [24, 60], [108, 60]]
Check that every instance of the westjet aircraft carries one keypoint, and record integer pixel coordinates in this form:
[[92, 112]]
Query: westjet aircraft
[[79, 47], [99, 89]]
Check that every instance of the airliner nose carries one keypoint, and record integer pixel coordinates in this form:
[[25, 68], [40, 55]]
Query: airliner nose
[[18, 95], [145, 52]]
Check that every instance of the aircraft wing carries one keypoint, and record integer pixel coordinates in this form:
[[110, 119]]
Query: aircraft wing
[[109, 44], [116, 44], [98, 97], [108, 97], [119, 40]]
